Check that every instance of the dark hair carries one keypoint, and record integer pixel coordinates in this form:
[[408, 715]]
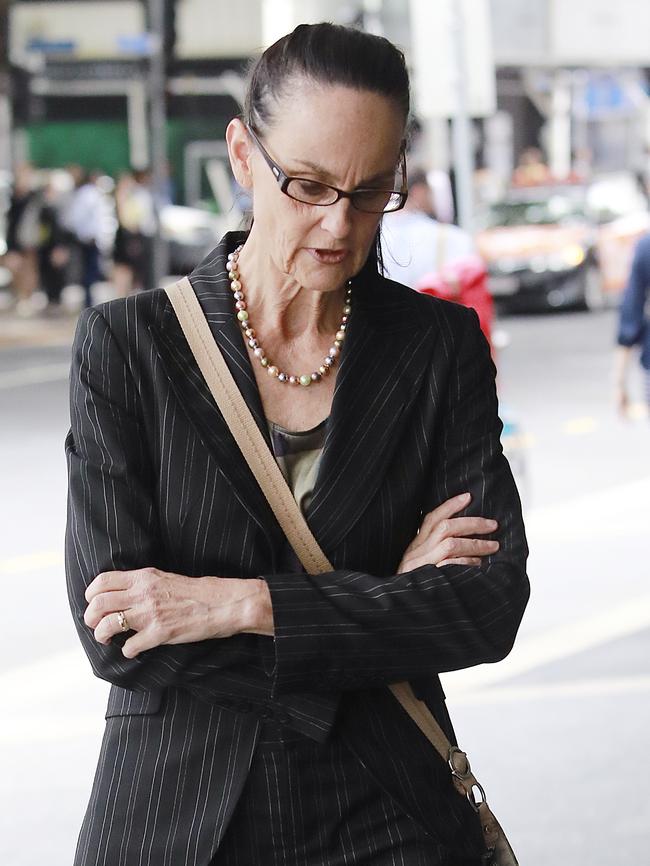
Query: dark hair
[[328, 54]]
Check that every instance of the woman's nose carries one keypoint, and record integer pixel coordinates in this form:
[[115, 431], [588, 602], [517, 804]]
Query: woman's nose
[[337, 218]]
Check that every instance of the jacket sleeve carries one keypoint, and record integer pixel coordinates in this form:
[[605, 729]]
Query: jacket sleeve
[[632, 321], [113, 525], [356, 630]]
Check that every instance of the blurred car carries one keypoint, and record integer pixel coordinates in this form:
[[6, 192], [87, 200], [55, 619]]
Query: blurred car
[[566, 245], [540, 249], [190, 234]]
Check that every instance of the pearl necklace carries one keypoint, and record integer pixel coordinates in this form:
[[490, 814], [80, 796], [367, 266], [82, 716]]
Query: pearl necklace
[[242, 315]]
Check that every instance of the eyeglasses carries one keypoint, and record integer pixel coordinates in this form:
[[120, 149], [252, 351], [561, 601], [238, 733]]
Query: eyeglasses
[[314, 192]]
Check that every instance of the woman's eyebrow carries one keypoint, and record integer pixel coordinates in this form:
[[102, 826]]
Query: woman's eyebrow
[[389, 174]]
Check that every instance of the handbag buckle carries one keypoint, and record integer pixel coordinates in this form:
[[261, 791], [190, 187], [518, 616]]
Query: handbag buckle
[[461, 769]]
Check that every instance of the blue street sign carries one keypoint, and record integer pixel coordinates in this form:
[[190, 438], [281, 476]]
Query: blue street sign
[[52, 46], [141, 44]]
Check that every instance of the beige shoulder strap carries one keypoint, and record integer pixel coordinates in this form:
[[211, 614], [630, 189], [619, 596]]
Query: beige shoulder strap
[[270, 479], [243, 427]]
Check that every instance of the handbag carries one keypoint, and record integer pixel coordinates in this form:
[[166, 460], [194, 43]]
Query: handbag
[[272, 483]]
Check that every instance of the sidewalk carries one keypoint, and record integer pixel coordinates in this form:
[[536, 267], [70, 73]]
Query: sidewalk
[[36, 330], [35, 325]]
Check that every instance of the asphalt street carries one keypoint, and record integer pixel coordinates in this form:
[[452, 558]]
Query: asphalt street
[[557, 733]]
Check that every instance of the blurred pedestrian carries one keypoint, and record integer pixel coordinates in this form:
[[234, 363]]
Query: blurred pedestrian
[[417, 244], [85, 219], [136, 228], [54, 245], [531, 169], [23, 236], [633, 326], [250, 719], [443, 206], [122, 271]]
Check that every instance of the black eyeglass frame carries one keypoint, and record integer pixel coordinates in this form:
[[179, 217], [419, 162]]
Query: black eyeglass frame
[[285, 179]]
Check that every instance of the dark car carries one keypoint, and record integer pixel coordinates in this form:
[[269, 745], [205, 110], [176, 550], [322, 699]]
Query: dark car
[[540, 250]]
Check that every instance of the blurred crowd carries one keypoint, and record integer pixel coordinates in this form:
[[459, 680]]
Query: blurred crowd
[[74, 227]]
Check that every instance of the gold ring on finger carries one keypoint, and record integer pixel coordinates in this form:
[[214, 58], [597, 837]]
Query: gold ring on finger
[[122, 620]]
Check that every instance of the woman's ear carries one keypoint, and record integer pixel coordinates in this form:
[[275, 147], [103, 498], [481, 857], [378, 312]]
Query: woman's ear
[[239, 152]]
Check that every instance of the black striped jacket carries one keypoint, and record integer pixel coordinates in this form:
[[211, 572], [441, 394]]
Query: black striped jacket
[[156, 479]]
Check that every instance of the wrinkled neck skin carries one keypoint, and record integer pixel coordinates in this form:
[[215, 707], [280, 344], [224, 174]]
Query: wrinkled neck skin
[[277, 303]]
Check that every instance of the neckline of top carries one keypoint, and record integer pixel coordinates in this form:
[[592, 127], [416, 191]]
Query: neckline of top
[[280, 429]]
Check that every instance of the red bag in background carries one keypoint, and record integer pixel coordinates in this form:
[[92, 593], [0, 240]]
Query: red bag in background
[[464, 281]]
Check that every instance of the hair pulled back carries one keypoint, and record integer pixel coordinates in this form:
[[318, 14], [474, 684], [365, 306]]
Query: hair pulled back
[[327, 54]]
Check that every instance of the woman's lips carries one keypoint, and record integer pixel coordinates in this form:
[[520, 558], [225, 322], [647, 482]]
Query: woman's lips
[[328, 257]]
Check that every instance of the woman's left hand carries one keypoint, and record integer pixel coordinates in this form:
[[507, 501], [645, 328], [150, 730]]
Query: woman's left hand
[[166, 608]]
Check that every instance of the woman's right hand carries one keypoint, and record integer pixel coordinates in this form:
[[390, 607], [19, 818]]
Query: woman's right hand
[[447, 540]]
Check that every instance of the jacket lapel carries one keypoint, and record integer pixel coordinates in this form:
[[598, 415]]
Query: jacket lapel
[[210, 282], [382, 364]]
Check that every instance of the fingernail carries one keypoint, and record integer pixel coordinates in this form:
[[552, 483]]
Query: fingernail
[[465, 496]]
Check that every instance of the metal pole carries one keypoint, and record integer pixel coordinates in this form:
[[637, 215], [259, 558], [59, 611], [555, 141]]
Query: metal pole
[[5, 124], [461, 133], [5, 101], [158, 129], [137, 123], [560, 127]]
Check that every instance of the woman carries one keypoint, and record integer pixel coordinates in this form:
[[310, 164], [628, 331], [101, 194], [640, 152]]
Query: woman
[[22, 237], [136, 226], [249, 719]]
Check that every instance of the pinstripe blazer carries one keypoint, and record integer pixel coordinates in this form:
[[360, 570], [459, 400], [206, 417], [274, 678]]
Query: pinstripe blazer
[[156, 479]]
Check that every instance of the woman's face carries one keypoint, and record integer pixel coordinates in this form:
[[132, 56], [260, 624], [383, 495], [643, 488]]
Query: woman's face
[[344, 137]]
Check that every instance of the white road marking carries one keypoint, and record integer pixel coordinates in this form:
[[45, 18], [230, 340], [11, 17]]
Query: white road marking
[[49, 678], [545, 691], [51, 699], [556, 644], [50, 728], [637, 411], [34, 375], [580, 426], [620, 510], [31, 562]]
